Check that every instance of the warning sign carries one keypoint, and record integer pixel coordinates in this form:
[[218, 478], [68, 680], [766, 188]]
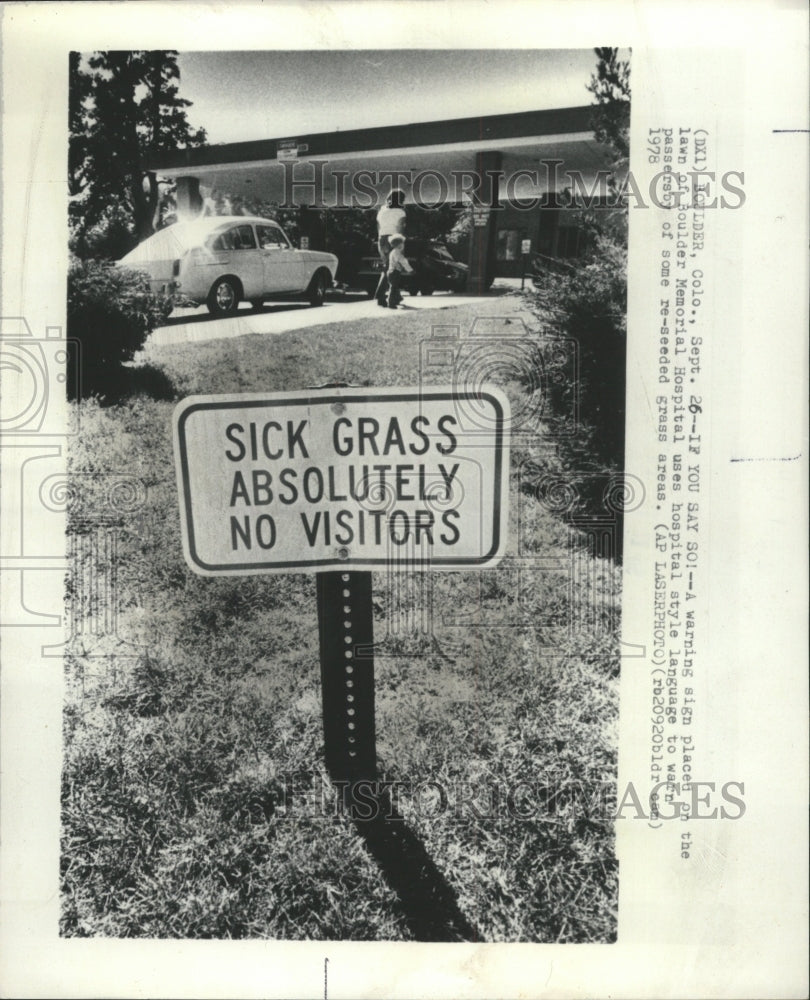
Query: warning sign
[[288, 149], [343, 478]]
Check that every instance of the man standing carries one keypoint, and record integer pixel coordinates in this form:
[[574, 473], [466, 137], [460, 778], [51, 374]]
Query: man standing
[[390, 220]]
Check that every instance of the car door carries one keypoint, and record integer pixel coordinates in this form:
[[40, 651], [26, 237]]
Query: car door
[[238, 253], [282, 266]]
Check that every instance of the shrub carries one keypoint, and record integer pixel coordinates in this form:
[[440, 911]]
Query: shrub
[[588, 303], [109, 238], [110, 312]]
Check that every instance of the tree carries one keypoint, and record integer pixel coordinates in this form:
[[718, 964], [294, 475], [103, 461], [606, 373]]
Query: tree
[[123, 107], [610, 121], [610, 86]]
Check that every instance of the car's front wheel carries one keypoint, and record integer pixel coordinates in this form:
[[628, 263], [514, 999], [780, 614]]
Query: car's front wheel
[[316, 293], [223, 299]]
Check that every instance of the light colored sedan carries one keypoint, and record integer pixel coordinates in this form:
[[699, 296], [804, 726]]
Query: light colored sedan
[[222, 260]]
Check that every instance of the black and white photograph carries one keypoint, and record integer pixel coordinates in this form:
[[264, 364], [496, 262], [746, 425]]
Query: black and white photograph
[[403, 522], [378, 699]]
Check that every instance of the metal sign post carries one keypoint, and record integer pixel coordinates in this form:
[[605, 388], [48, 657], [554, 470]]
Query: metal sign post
[[346, 634], [525, 250]]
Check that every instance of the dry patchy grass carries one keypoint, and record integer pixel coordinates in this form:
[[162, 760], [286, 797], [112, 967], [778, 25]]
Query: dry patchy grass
[[194, 798]]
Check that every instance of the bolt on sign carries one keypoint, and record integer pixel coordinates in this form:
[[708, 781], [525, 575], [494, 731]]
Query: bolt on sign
[[343, 478]]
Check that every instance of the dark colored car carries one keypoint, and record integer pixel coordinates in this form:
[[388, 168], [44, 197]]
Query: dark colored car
[[434, 269]]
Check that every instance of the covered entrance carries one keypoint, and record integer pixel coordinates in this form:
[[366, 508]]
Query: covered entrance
[[502, 169]]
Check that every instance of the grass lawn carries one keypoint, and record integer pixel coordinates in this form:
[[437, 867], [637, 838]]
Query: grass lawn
[[195, 802]]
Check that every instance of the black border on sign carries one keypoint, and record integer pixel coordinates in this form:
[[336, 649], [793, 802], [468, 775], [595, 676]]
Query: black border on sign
[[233, 568]]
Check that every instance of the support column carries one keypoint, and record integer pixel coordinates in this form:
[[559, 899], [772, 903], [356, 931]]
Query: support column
[[485, 223], [188, 197]]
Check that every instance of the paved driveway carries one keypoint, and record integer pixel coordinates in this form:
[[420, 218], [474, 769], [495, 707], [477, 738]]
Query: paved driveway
[[192, 326]]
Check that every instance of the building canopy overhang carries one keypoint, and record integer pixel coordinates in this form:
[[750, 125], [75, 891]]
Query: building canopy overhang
[[437, 161]]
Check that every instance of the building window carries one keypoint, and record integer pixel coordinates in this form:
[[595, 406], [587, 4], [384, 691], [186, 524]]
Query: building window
[[570, 241], [549, 220], [508, 246]]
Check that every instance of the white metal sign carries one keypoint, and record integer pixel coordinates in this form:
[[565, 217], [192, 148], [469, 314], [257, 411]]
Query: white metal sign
[[525, 246], [343, 478], [288, 149], [481, 216]]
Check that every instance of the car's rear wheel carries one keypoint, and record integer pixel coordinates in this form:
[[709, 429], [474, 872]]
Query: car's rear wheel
[[223, 299], [316, 293], [426, 288]]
